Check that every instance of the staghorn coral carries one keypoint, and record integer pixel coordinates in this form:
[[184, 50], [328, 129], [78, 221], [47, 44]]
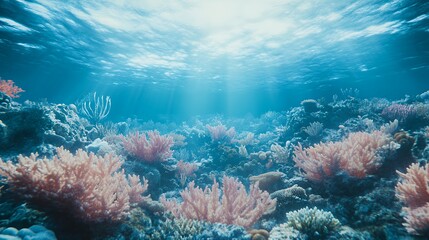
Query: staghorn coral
[[87, 186]]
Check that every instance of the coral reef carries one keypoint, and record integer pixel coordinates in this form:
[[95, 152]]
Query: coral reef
[[278, 170], [86, 186]]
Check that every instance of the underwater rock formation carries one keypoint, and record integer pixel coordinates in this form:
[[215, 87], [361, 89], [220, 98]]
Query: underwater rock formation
[[35, 232], [26, 128]]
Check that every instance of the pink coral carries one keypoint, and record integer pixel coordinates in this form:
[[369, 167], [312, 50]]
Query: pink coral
[[234, 207], [356, 155], [9, 88], [185, 170], [221, 133], [413, 191], [89, 187], [156, 149], [398, 111]]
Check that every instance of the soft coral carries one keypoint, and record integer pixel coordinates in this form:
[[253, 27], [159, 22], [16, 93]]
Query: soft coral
[[9, 88]]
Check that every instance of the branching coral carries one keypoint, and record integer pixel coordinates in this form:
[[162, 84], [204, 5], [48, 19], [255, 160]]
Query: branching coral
[[356, 155], [221, 133], [235, 206], [313, 222], [413, 191], [9, 88], [154, 149], [87, 186]]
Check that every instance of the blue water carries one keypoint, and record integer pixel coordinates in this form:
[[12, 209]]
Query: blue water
[[212, 92], [178, 59]]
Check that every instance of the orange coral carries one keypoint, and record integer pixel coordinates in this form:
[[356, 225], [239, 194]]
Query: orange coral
[[9, 88]]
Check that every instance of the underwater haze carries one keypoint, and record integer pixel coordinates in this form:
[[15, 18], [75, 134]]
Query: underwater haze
[[176, 59], [214, 119]]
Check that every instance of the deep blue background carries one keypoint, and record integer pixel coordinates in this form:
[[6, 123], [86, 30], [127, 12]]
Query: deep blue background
[[63, 72]]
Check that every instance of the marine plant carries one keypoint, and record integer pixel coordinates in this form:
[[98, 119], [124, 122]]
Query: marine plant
[[88, 187], [229, 205], [413, 192]]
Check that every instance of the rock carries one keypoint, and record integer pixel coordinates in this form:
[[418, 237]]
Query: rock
[[26, 128], [289, 198], [46, 235], [38, 228], [259, 234], [5, 101], [99, 147], [310, 105], [152, 206], [35, 232], [292, 193], [11, 231], [268, 181], [25, 232], [8, 237]]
